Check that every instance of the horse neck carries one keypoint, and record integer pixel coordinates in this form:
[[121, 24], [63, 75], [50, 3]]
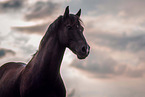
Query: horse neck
[[46, 63]]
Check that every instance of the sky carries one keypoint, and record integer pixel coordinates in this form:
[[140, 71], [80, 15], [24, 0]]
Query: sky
[[114, 29]]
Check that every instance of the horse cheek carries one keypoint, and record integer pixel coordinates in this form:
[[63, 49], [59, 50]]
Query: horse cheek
[[63, 38]]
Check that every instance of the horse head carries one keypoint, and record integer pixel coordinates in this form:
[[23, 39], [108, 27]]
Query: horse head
[[71, 34]]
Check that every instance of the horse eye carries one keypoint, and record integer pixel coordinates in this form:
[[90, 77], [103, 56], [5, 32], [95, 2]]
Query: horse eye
[[69, 27]]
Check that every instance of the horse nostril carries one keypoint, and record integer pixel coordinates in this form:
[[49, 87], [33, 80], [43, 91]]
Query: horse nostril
[[84, 49]]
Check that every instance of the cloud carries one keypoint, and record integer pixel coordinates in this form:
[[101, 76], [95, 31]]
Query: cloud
[[4, 52], [132, 43], [101, 64], [72, 93], [41, 10], [39, 29], [11, 5], [128, 7]]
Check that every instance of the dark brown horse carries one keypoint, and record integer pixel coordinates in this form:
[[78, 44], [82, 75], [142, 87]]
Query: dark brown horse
[[41, 76]]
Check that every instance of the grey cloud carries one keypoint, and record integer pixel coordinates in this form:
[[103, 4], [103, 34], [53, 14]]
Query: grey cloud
[[135, 73], [101, 65], [72, 93], [97, 64], [3, 52], [132, 43], [41, 10], [130, 7], [39, 29], [19, 41], [11, 5]]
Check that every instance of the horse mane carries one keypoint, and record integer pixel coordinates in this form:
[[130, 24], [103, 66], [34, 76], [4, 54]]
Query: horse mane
[[51, 30]]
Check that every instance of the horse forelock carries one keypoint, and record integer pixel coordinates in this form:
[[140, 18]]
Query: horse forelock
[[75, 19]]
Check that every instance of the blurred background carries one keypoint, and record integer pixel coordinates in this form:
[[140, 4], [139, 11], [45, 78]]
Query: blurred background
[[115, 30]]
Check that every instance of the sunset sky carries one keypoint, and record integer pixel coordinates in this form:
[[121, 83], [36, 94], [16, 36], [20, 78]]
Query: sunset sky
[[114, 29]]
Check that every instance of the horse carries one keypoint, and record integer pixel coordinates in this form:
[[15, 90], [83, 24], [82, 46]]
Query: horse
[[41, 76]]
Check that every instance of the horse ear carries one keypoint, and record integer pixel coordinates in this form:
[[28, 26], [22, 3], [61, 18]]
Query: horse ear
[[66, 14], [79, 13]]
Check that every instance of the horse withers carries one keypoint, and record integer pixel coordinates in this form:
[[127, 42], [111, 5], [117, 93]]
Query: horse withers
[[41, 76]]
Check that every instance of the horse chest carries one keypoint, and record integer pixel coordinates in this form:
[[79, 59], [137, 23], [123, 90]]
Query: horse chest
[[46, 90]]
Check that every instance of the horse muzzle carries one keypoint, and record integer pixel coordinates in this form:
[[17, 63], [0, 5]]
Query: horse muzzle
[[83, 51]]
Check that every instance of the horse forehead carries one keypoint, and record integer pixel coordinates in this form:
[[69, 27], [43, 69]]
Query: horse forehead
[[73, 18]]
